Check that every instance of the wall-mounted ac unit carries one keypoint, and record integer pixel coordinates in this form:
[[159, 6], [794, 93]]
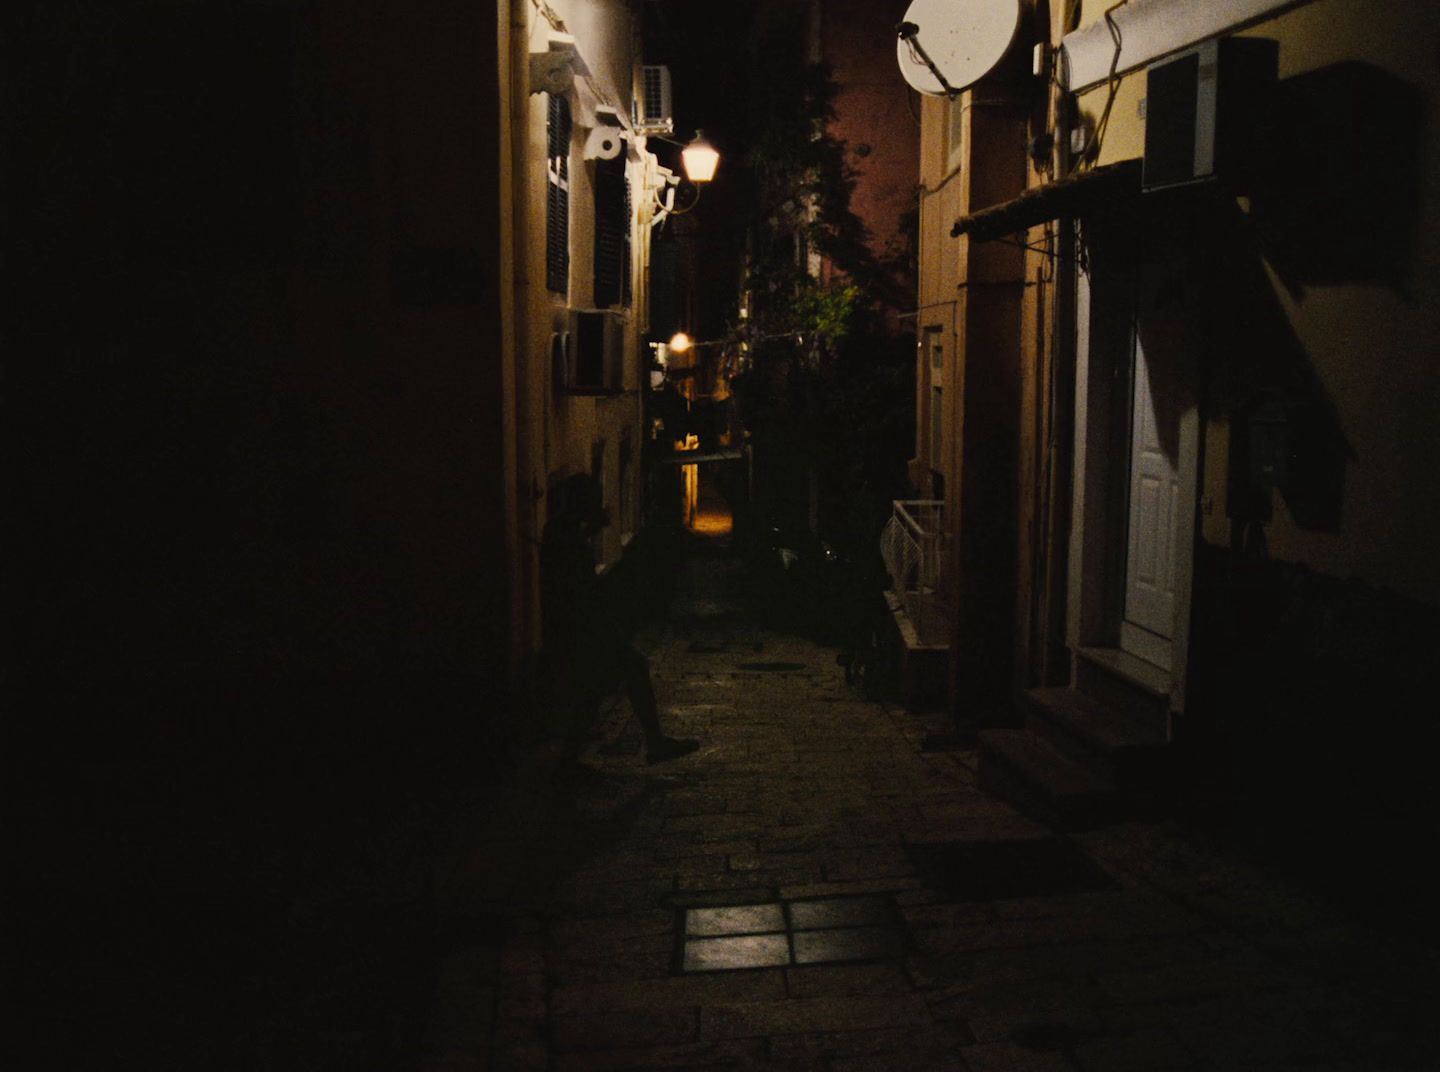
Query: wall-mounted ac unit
[[653, 111], [1203, 111], [593, 360]]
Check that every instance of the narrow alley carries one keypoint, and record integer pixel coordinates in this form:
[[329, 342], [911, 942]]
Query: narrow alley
[[390, 377], [824, 886]]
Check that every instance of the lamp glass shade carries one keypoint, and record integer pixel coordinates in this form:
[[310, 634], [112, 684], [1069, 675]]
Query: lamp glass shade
[[699, 159]]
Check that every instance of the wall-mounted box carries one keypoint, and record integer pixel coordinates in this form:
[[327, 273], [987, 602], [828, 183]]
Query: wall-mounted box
[[1205, 109], [593, 360]]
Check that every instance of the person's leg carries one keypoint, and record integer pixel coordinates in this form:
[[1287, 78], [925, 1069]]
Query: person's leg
[[635, 672]]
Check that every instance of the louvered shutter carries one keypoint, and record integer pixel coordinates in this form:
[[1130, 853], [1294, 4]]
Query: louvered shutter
[[612, 230], [625, 295], [557, 196]]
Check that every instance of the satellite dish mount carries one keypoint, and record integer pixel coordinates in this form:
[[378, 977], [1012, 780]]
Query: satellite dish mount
[[946, 46], [910, 33]]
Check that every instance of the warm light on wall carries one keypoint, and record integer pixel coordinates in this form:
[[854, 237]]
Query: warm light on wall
[[690, 479]]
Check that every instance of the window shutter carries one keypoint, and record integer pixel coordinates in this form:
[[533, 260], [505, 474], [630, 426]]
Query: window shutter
[[557, 196], [612, 230], [625, 295]]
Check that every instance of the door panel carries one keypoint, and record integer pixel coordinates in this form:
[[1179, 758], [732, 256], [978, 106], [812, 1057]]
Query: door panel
[[1155, 488]]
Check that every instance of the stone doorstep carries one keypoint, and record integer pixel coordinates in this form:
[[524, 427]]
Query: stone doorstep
[[1018, 766], [1125, 684], [1111, 744]]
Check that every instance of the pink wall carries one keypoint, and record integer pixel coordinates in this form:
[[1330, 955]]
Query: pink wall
[[858, 41]]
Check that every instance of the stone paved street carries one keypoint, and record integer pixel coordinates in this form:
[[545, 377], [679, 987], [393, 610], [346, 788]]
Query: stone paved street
[[946, 930]]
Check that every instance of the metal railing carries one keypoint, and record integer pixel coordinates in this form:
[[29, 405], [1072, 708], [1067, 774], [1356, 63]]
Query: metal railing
[[913, 546]]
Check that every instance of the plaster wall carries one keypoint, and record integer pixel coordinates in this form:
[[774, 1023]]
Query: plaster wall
[[941, 202], [563, 431], [1370, 341]]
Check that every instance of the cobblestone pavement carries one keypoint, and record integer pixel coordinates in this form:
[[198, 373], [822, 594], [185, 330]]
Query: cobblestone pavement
[[991, 943]]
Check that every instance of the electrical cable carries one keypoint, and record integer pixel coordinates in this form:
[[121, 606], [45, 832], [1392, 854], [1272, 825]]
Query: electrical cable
[[1091, 151]]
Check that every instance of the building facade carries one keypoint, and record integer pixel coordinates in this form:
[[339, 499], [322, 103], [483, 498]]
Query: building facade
[[583, 194], [1177, 285], [369, 285]]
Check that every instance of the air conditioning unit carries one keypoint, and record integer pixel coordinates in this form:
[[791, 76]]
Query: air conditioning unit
[[593, 354], [653, 111], [1203, 111]]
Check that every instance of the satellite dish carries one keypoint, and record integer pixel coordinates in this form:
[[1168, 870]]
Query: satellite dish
[[948, 45]]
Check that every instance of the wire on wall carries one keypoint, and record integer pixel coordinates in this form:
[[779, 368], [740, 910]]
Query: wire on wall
[[548, 14], [1091, 152]]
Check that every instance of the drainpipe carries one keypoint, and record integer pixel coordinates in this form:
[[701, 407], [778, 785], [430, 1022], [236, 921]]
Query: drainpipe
[[1060, 453], [520, 499], [1054, 668]]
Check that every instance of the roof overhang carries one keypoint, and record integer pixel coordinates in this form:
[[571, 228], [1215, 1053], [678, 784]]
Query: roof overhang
[[1078, 195]]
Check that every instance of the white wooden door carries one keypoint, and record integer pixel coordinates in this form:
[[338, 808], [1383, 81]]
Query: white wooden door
[[1151, 574]]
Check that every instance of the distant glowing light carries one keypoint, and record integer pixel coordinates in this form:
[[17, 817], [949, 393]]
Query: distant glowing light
[[680, 342]]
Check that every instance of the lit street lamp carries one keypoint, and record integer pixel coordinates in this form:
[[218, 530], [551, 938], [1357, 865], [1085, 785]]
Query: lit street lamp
[[699, 159]]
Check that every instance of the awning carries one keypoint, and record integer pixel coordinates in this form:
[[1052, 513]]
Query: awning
[[1074, 196]]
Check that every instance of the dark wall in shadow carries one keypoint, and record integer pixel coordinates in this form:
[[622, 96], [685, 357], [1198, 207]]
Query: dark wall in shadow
[[1205, 297], [1306, 690], [1338, 185], [252, 353], [1309, 718], [262, 325]]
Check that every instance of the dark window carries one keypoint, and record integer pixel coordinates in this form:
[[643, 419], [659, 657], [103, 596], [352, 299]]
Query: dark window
[[626, 498], [589, 346], [557, 196], [612, 233], [625, 295]]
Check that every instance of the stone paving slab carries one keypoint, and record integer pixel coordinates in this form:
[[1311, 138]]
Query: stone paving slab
[[805, 790]]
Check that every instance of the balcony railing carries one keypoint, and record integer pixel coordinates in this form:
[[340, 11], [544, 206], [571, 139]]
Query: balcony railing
[[913, 546]]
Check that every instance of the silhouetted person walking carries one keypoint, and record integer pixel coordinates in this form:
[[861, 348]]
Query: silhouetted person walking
[[586, 652]]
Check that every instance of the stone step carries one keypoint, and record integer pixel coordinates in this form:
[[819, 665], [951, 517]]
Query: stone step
[[1125, 684], [1114, 745], [1019, 766]]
